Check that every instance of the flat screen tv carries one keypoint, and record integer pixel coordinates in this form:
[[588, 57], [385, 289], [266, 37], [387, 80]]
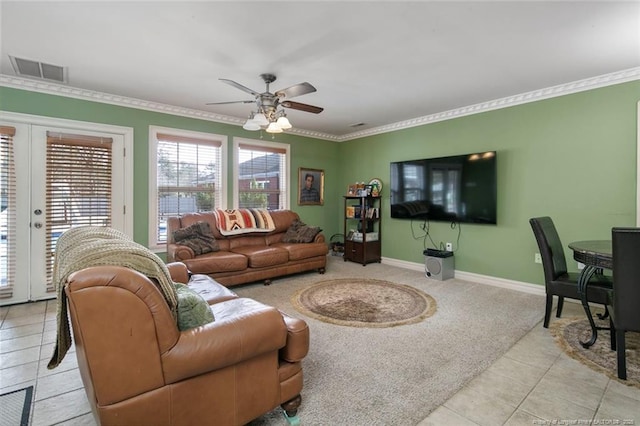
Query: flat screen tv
[[461, 188]]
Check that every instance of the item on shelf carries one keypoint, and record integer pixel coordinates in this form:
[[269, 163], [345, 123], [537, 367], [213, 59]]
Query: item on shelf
[[369, 226], [376, 185], [358, 237], [351, 212], [360, 189]]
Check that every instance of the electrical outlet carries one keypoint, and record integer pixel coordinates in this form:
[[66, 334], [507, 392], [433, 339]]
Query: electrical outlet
[[537, 258], [449, 247]]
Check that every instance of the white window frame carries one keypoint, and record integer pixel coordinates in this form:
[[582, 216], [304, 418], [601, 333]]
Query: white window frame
[[285, 182], [153, 177]]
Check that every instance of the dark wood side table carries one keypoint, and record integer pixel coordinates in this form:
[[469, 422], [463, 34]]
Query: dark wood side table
[[596, 255]]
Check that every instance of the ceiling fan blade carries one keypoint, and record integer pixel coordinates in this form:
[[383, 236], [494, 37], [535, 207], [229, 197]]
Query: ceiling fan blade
[[230, 102], [296, 90], [302, 107], [239, 86]]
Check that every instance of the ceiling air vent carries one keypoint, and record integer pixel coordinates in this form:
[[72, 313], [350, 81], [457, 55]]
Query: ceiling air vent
[[33, 69]]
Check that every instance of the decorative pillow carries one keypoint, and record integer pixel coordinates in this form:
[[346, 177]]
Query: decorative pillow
[[299, 232], [198, 237], [193, 310]]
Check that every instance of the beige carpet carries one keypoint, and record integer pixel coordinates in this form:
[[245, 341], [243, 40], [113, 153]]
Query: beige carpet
[[357, 302], [568, 332], [398, 375]]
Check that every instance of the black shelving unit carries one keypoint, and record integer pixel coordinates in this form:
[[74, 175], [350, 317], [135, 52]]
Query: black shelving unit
[[362, 229]]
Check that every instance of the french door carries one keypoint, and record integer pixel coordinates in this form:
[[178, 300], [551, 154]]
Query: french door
[[55, 175]]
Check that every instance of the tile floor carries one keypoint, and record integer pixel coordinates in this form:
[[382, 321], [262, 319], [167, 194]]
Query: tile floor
[[534, 383]]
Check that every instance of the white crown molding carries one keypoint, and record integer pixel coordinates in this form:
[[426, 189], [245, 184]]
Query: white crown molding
[[106, 98], [536, 95]]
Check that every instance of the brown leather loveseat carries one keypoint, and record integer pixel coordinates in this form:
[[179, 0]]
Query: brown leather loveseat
[[248, 257], [138, 368]]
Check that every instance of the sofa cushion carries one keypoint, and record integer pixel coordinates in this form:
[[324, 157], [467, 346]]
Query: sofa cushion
[[262, 256], [197, 237], [283, 218], [210, 289], [220, 261], [299, 251], [193, 310], [299, 232]]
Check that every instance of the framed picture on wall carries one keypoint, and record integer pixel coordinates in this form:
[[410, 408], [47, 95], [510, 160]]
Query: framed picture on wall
[[310, 187]]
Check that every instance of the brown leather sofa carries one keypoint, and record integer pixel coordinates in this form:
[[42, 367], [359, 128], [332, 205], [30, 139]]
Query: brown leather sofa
[[139, 369], [251, 257]]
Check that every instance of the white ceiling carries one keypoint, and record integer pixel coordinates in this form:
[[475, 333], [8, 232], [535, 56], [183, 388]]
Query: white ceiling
[[376, 63]]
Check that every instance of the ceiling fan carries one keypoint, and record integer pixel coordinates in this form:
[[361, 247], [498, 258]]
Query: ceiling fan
[[267, 113]]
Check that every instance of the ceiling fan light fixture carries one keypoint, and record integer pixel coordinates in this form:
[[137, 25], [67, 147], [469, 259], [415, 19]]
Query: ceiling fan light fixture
[[261, 119], [268, 114], [283, 123], [251, 125], [274, 128]]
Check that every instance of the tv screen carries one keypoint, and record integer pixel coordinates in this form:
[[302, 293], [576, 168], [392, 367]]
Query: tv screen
[[461, 188]]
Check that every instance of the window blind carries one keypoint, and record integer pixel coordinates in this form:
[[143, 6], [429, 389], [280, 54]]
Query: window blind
[[189, 177], [7, 212], [78, 186]]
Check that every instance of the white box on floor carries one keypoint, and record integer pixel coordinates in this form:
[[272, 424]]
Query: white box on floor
[[439, 268]]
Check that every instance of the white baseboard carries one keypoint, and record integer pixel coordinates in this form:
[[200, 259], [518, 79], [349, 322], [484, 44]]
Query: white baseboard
[[476, 278]]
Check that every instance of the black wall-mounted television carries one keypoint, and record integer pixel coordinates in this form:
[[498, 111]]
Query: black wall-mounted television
[[461, 188]]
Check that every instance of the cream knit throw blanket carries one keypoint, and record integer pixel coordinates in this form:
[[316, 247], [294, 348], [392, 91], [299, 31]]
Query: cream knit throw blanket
[[86, 246]]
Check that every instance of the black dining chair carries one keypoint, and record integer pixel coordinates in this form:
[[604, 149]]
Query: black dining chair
[[625, 297], [559, 282]]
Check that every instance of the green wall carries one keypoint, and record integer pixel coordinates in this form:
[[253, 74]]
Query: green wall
[[572, 157]]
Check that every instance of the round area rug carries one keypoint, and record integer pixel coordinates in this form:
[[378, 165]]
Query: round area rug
[[358, 302], [568, 332]]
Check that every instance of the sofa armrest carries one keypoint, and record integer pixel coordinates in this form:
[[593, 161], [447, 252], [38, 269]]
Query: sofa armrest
[[179, 272], [319, 238], [242, 329], [297, 345], [178, 253]]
